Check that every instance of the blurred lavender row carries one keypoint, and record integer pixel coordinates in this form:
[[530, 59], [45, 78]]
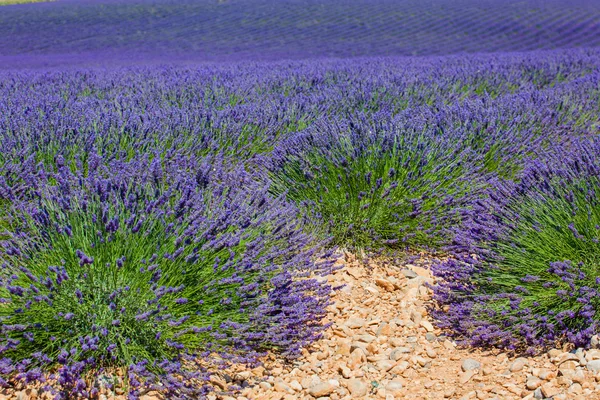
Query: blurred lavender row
[[84, 32]]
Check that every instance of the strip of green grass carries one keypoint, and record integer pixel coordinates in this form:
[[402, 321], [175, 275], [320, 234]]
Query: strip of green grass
[[10, 2]]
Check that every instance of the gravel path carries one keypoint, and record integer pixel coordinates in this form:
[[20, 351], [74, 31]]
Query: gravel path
[[382, 345]]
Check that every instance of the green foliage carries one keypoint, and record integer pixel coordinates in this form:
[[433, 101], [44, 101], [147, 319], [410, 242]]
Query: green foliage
[[373, 186]]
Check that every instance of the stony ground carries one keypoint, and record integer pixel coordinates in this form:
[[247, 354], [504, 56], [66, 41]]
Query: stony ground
[[382, 345]]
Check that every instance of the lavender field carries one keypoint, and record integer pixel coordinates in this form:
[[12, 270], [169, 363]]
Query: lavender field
[[178, 178]]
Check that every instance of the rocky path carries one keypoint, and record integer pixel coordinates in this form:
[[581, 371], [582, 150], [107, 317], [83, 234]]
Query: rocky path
[[382, 345]]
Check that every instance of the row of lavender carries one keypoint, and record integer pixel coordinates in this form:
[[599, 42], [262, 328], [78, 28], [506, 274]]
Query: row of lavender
[[156, 218]]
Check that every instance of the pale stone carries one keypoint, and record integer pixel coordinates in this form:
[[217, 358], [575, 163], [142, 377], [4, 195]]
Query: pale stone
[[385, 284], [593, 354], [355, 323], [385, 329], [282, 387], [397, 354], [421, 271], [564, 357], [466, 376], [321, 389], [518, 364], [593, 366], [385, 365], [468, 364], [533, 383], [356, 358], [345, 371], [400, 367], [570, 364], [549, 390], [309, 381], [449, 393], [553, 353], [576, 388], [357, 387], [574, 375], [422, 361], [409, 273], [564, 381], [427, 325], [546, 374], [595, 342], [514, 389], [394, 388], [344, 349], [366, 338], [296, 385]]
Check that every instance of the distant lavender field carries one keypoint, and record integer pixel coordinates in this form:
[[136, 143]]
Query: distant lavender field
[[79, 32], [177, 177]]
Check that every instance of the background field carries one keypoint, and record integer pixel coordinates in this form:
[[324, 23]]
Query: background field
[[77, 32]]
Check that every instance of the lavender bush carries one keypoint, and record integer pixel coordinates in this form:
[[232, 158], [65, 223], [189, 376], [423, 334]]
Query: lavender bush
[[524, 275], [150, 266], [373, 182]]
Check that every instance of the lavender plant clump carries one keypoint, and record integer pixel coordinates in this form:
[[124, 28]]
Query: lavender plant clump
[[152, 266], [524, 274]]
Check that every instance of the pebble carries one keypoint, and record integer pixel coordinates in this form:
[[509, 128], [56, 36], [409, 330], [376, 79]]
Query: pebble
[[399, 352], [564, 357], [449, 393], [356, 358], [466, 376], [564, 381], [321, 389], [385, 365], [282, 387], [409, 273], [549, 390], [394, 388], [385, 284], [593, 366], [546, 374], [431, 353], [518, 364], [296, 385], [595, 342], [357, 387], [430, 337], [592, 354], [355, 323], [533, 382], [469, 364], [345, 371], [427, 325]]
